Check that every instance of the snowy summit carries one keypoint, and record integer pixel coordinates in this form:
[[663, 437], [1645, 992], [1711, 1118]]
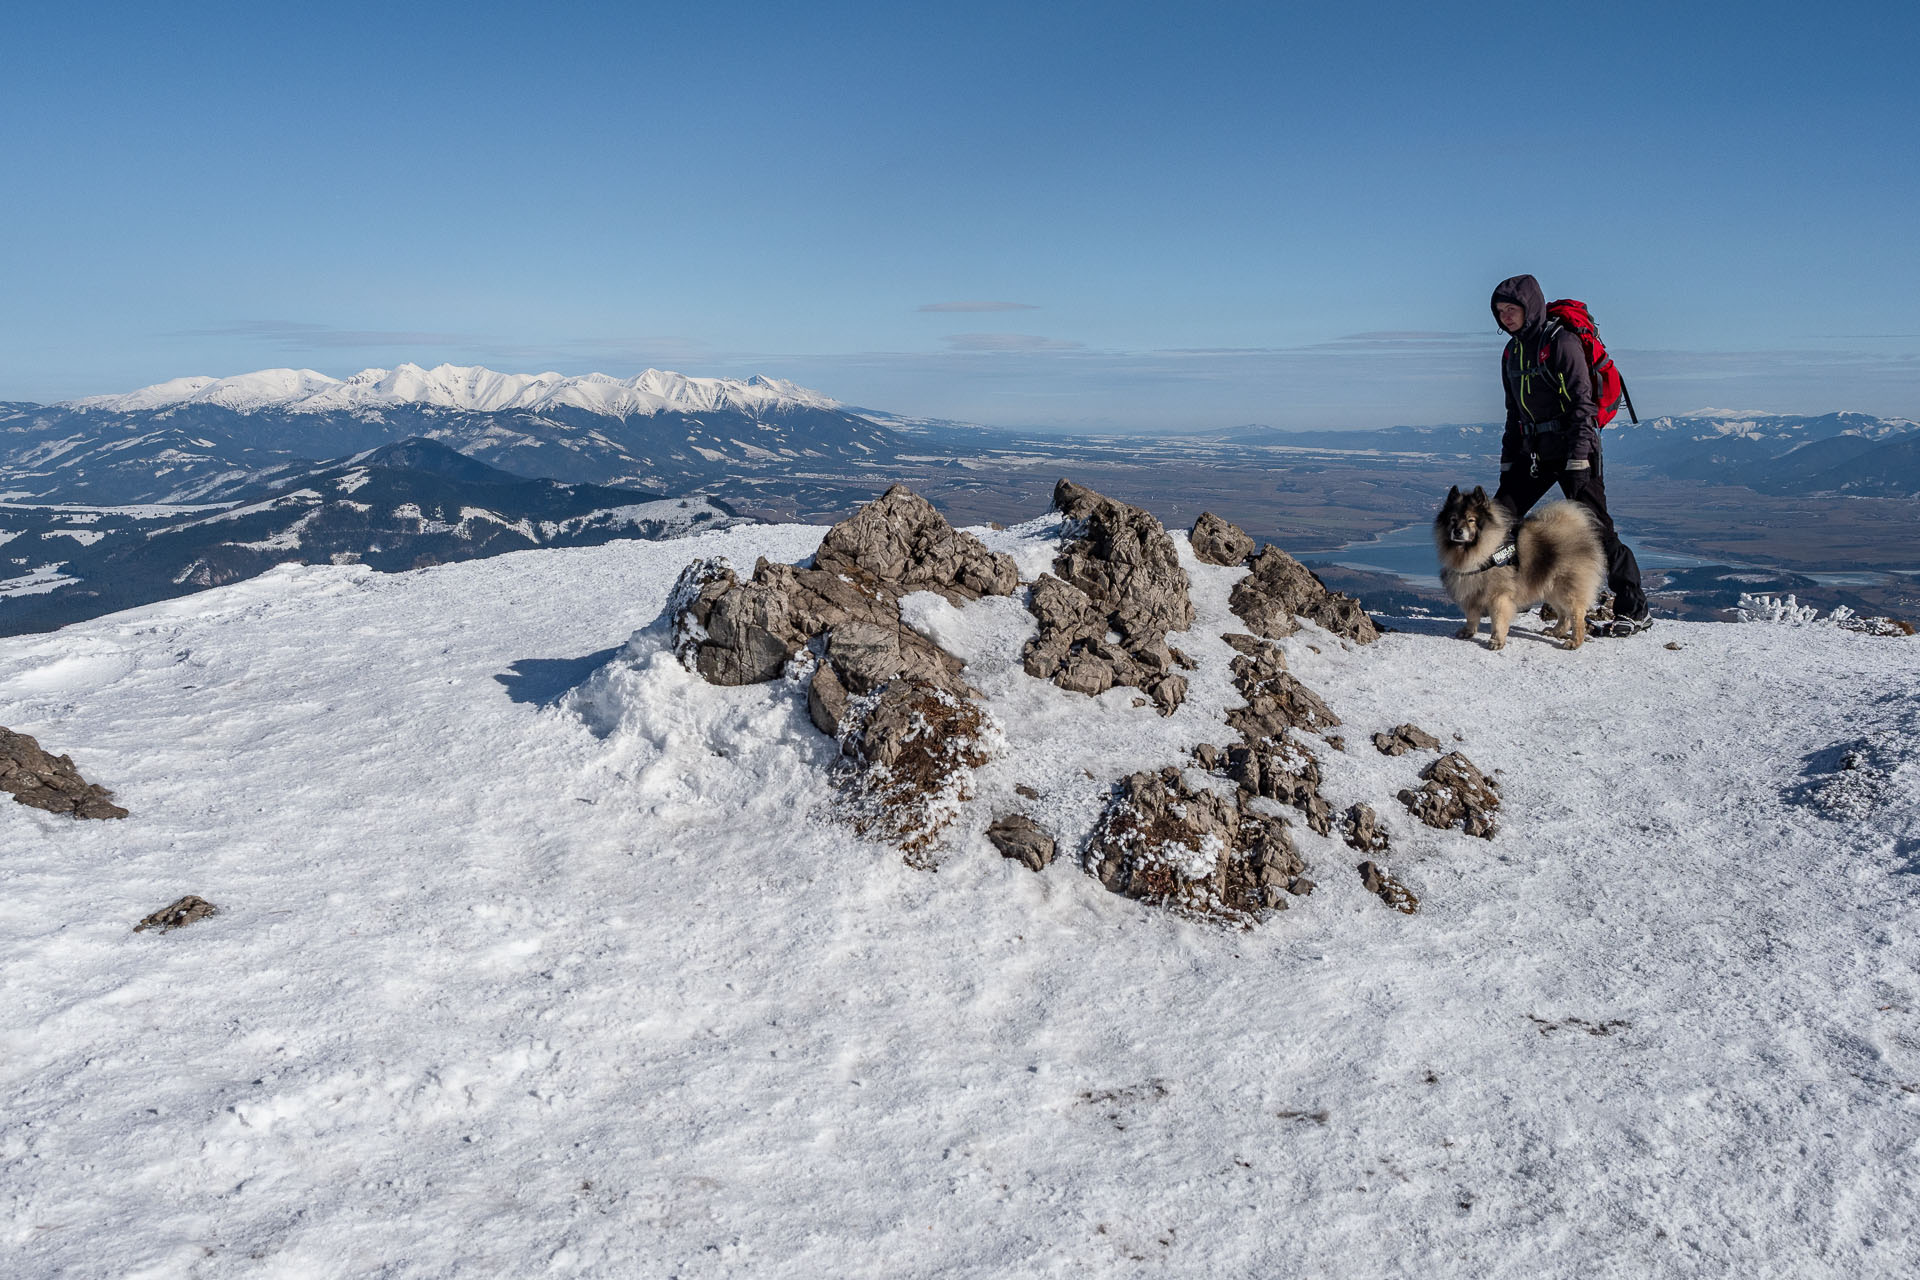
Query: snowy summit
[[531, 950], [471, 388]]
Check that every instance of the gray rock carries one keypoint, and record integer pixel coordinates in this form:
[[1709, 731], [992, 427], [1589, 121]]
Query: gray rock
[[1276, 701], [901, 540], [1280, 590], [178, 914], [1217, 542], [1021, 838], [42, 781], [1282, 771], [1362, 830], [1455, 793], [826, 700], [1104, 613], [1404, 738], [1390, 891]]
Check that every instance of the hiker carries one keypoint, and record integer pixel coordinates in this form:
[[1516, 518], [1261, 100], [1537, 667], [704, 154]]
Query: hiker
[[1553, 435]]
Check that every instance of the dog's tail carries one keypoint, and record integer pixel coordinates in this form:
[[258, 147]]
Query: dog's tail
[[1570, 524]]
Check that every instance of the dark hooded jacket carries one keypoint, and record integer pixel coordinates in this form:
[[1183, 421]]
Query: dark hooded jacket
[[1550, 407]]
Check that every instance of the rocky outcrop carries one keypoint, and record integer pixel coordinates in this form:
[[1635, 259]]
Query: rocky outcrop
[[1022, 839], [1285, 772], [1181, 843], [901, 541], [177, 915], [1116, 591], [1217, 542], [50, 782], [1377, 881], [1280, 590], [1455, 794], [911, 750], [1276, 701], [1404, 738]]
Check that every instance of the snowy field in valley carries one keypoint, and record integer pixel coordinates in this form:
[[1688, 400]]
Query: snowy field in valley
[[523, 969]]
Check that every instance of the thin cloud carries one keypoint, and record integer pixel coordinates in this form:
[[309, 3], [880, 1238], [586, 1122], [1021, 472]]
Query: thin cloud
[[979, 306], [1009, 342]]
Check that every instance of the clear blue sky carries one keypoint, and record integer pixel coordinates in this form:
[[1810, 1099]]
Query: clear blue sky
[[1238, 213]]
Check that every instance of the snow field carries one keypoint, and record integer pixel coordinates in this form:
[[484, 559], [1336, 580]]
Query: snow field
[[508, 980]]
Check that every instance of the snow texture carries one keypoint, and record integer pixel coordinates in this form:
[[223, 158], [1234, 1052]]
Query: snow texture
[[535, 954]]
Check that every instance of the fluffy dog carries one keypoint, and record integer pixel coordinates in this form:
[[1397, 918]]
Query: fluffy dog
[[1490, 567]]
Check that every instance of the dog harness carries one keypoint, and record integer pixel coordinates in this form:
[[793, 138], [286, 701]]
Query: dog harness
[[1504, 554]]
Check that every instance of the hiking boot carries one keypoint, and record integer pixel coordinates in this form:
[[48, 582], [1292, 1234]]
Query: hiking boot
[[1624, 626]]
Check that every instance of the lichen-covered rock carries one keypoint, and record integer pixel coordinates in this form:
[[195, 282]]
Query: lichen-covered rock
[[1116, 591], [1022, 839], [1377, 881], [1455, 793], [901, 540], [1285, 772], [50, 782], [1280, 590], [178, 914], [1276, 700], [1217, 542], [911, 751], [1362, 830], [1404, 738]]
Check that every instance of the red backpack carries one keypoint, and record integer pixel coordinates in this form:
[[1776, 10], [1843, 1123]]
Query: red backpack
[[1608, 388]]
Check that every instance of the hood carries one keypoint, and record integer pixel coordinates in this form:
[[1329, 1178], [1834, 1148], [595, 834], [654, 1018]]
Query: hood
[[1524, 290]]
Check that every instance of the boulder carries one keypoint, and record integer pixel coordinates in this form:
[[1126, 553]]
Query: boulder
[[42, 781], [1022, 839], [1217, 542], [177, 914], [1455, 794], [900, 539], [1116, 591], [1168, 840], [1279, 590], [1285, 772], [1276, 701], [1377, 881], [1361, 828], [1404, 738]]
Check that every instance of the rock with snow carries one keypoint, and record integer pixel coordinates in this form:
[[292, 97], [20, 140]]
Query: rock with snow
[[1280, 590], [50, 782], [1283, 771], [1022, 839], [1378, 881], [1215, 541], [912, 749], [1276, 700], [900, 539], [1403, 738], [178, 914], [1362, 829], [1455, 793], [1116, 591]]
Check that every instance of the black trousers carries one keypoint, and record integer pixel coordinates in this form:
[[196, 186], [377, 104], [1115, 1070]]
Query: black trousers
[[1520, 489]]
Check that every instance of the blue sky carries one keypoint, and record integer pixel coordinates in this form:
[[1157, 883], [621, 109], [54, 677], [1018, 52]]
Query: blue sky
[[1132, 216]]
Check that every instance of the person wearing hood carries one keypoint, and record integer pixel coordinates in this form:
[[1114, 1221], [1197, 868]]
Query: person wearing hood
[[1553, 435]]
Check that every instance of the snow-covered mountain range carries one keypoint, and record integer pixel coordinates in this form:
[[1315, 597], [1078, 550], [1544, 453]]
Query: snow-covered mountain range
[[472, 388]]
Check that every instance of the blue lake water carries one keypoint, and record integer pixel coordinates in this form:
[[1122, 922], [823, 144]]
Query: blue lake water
[[1408, 553]]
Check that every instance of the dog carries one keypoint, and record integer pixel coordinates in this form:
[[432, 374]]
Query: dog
[[1490, 567]]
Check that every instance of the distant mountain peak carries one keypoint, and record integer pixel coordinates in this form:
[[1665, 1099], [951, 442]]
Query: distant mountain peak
[[474, 388]]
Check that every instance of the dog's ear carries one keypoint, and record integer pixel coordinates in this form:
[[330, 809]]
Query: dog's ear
[[1479, 493], [1453, 493]]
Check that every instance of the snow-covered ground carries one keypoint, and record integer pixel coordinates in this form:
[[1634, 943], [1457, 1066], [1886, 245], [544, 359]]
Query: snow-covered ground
[[510, 980]]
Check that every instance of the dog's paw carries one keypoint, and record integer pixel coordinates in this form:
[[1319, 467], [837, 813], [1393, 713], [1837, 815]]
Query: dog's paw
[[1496, 642], [1574, 642], [1466, 633]]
